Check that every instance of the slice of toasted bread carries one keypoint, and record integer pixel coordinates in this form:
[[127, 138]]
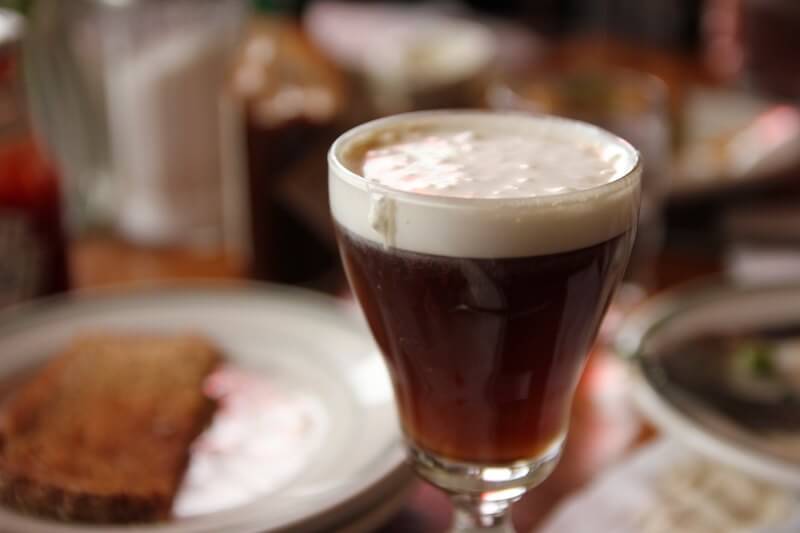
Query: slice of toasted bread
[[102, 433]]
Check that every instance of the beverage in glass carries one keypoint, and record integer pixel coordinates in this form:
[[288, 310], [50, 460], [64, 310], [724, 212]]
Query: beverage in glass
[[483, 249]]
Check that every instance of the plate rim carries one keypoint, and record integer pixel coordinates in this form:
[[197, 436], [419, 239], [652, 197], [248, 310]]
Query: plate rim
[[649, 319], [390, 464]]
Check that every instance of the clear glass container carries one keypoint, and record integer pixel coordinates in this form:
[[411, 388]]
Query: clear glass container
[[483, 307], [32, 250], [132, 97]]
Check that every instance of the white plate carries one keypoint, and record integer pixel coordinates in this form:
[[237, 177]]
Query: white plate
[[684, 314], [307, 347]]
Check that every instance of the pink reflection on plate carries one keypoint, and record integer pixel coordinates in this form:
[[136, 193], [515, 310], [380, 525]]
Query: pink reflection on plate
[[262, 436]]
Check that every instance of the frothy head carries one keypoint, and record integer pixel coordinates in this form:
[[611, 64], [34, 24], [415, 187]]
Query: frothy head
[[466, 160], [482, 184]]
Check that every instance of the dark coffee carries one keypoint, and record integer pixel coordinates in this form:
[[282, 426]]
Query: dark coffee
[[484, 354]]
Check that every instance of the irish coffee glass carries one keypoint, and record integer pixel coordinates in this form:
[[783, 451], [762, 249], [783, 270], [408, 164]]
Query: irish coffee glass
[[485, 307]]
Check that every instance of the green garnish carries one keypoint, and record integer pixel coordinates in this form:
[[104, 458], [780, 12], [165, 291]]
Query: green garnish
[[23, 6], [756, 357]]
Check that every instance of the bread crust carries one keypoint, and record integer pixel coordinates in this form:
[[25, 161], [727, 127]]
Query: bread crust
[[102, 433]]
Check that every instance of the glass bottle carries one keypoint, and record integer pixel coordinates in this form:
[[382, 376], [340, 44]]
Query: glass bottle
[[33, 259], [293, 101]]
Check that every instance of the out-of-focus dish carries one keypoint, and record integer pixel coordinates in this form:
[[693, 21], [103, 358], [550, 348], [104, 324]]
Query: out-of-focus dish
[[406, 57], [732, 140], [718, 369], [304, 438]]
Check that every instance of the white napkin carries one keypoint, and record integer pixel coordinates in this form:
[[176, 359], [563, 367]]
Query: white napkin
[[665, 488]]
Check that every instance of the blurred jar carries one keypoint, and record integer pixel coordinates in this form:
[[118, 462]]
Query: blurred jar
[[666, 24], [631, 104], [722, 46], [771, 43], [132, 98], [756, 41], [294, 103], [32, 252]]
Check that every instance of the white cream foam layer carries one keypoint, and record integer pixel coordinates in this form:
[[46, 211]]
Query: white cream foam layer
[[444, 160], [600, 176]]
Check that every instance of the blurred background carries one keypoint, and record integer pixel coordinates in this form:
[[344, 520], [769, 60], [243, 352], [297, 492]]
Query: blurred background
[[146, 140], [190, 137]]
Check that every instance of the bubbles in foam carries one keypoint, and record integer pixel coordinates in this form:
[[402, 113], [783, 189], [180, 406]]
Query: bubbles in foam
[[444, 160], [484, 184]]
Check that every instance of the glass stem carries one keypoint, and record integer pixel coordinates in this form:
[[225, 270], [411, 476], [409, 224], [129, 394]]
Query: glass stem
[[481, 514]]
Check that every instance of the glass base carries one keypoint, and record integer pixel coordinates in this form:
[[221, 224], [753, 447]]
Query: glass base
[[465, 521], [506, 482]]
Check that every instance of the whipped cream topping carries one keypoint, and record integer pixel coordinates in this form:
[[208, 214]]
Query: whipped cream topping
[[481, 184], [470, 163]]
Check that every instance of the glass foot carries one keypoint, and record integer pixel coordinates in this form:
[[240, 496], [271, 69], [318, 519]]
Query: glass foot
[[464, 521], [482, 494], [504, 481]]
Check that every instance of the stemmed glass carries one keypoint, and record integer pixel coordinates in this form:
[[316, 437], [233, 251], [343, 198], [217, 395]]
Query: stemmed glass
[[484, 308]]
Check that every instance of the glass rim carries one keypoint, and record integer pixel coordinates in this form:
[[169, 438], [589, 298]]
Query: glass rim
[[340, 171]]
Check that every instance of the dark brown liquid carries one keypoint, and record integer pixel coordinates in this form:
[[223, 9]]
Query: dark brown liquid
[[287, 248], [484, 354], [771, 37]]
